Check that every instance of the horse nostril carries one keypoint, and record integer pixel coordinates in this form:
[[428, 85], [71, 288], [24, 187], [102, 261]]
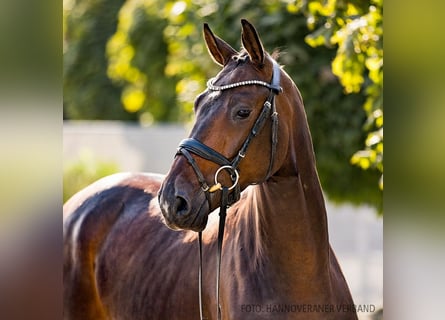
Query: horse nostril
[[181, 205]]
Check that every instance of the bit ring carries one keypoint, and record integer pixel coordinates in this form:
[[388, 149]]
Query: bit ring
[[232, 170]]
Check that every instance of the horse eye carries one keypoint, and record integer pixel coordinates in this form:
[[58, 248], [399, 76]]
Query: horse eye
[[243, 113]]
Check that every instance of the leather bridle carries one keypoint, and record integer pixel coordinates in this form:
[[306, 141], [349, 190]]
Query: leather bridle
[[231, 194]]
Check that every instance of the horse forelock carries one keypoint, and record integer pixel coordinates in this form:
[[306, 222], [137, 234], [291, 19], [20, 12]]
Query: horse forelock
[[243, 55], [240, 69]]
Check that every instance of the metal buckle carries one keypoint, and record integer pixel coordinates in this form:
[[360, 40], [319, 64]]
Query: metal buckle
[[218, 186]]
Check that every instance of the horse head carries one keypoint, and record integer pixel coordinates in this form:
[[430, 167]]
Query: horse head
[[234, 142]]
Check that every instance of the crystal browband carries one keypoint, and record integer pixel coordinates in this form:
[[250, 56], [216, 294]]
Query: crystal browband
[[212, 87]]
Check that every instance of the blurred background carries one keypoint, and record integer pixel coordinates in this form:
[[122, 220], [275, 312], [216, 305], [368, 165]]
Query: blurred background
[[131, 71], [144, 62], [33, 42]]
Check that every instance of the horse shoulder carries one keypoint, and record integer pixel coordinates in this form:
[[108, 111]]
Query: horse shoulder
[[89, 216]]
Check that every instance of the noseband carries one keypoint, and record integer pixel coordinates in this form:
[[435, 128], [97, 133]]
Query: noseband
[[231, 194]]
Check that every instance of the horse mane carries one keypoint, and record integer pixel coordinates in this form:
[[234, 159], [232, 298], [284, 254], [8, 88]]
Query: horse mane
[[250, 221], [260, 255]]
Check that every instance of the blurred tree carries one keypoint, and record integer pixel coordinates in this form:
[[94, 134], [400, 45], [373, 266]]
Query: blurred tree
[[137, 56], [356, 29], [158, 57], [87, 91]]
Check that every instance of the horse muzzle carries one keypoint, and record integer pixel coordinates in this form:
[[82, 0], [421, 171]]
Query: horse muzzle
[[183, 210]]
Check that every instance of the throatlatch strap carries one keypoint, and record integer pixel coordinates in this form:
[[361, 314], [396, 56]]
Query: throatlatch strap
[[274, 139]]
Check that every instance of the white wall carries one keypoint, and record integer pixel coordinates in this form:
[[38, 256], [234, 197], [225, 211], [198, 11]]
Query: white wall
[[355, 233], [133, 148]]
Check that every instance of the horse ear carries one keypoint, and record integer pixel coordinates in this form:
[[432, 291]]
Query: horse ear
[[252, 43], [220, 51]]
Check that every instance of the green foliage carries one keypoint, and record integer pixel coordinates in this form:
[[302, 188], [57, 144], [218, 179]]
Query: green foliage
[[137, 56], [87, 169], [158, 60], [356, 29], [87, 91]]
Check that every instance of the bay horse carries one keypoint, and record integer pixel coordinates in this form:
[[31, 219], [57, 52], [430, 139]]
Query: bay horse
[[250, 153]]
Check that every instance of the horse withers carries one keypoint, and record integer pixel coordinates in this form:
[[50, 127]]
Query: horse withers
[[250, 154]]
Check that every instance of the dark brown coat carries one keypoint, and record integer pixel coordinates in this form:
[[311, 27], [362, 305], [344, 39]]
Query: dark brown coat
[[122, 262]]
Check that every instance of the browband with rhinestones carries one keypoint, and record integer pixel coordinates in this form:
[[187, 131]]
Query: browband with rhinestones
[[212, 87]]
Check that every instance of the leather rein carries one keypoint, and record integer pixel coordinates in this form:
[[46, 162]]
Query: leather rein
[[230, 194]]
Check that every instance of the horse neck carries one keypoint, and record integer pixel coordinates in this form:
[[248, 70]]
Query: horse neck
[[287, 212]]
